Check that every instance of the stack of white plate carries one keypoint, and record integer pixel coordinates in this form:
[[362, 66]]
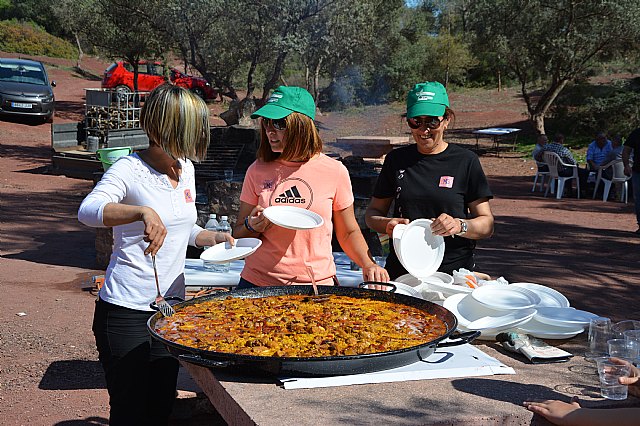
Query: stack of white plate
[[523, 307]]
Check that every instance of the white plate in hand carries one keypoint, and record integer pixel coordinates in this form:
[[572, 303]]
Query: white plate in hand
[[421, 252], [564, 317], [398, 230], [293, 217], [224, 252], [505, 297], [548, 296]]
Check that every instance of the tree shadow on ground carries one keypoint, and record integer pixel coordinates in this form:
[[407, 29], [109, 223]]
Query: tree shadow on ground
[[20, 119], [562, 255], [27, 153], [69, 110], [54, 235]]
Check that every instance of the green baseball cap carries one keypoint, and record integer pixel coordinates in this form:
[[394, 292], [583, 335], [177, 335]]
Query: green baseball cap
[[428, 98], [285, 100]]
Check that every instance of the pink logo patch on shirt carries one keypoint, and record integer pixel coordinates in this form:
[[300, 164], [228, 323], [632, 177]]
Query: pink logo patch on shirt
[[446, 182], [187, 196]]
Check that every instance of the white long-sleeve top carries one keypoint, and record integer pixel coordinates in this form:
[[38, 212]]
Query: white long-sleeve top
[[129, 280]]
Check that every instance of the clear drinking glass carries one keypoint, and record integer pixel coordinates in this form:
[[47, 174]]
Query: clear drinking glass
[[609, 374], [619, 328], [599, 334], [633, 336], [624, 349]]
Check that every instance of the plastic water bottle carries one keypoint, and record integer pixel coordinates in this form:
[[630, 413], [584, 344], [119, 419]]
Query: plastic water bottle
[[225, 227], [212, 225]]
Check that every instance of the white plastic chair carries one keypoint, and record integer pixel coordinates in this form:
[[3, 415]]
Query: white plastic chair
[[553, 160], [540, 175], [617, 176]]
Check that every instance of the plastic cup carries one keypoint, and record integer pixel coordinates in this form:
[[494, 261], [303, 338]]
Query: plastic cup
[[228, 175], [633, 336], [609, 374], [599, 334], [380, 260], [625, 349], [619, 328]]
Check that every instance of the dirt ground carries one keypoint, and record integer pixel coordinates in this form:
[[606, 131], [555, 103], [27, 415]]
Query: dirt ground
[[49, 374]]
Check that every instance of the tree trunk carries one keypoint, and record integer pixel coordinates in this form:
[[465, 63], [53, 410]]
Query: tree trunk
[[545, 102], [538, 121], [80, 52], [275, 76], [316, 82]]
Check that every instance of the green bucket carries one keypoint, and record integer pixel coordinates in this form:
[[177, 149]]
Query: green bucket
[[108, 156]]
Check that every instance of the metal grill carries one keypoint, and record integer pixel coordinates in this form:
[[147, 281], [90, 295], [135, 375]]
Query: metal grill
[[219, 158]]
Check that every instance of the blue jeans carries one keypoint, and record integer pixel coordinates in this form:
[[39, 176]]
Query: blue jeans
[[635, 181]]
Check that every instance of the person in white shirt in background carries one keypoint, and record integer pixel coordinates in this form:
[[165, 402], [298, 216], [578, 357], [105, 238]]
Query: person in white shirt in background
[[541, 141], [148, 198]]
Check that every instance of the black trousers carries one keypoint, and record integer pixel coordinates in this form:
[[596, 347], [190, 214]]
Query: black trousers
[[141, 375]]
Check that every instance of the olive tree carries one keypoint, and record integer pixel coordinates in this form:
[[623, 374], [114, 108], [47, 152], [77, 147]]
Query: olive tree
[[547, 44], [119, 29]]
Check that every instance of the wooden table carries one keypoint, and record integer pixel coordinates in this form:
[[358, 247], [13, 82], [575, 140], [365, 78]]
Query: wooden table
[[474, 401]]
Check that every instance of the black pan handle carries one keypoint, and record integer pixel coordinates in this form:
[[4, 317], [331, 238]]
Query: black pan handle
[[209, 363], [366, 283], [461, 339]]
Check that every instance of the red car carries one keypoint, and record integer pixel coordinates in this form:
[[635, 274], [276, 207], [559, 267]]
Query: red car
[[119, 76]]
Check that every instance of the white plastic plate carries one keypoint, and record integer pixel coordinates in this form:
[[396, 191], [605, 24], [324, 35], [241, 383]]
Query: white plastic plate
[[564, 317], [547, 331], [398, 230], [511, 319], [421, 252], [409, 280], [505, 297], [466, 309], [548, 296], [223, 253], [293, 217]]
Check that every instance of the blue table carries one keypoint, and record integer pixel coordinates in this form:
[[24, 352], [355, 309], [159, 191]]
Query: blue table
[[497, 134]]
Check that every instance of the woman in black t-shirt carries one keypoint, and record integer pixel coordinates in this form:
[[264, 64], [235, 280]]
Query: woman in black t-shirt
[[435, 180]]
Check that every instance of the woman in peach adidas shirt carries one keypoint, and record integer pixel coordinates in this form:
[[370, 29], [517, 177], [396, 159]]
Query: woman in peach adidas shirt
[[291, 170]]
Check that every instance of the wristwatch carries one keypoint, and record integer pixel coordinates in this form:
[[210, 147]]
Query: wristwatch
[[463, 227]]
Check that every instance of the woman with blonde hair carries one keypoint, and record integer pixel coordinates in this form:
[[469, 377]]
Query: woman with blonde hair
[[148, 198], [291, 170]]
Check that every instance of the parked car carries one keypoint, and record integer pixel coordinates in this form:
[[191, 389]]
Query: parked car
[[25, 89], [119, 76]]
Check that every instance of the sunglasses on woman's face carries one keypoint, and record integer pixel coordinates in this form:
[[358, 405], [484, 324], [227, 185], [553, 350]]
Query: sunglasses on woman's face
[[428, 121], [279, 124]]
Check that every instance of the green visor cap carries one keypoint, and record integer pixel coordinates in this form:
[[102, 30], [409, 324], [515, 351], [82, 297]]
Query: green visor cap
[[285, 100], [428, 98]]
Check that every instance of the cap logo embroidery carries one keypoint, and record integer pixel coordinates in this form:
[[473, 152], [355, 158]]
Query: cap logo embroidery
[[275, 97], [425, 96], [446, 182]]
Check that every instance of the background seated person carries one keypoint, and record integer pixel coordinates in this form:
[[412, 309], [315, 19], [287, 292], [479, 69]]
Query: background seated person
[[614, 154], [597, 151], [541, 141], [566, 156]]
